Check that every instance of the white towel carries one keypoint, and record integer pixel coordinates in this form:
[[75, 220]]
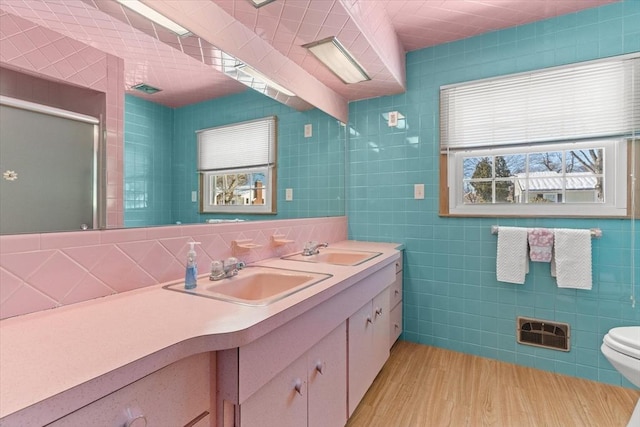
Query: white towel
[[512, 262], [571, 262]]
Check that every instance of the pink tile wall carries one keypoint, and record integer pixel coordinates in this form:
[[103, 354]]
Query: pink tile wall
[[43, 271], [39, 51]]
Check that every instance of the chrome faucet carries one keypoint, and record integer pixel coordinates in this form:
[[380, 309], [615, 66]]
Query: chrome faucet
[[227, 268], [311, 248]]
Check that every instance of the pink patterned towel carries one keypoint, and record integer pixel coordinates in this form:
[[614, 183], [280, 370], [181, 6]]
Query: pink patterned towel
[[540, 244]]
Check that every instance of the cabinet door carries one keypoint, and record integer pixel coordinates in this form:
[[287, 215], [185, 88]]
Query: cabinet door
[[360, 344], [381, 319], [327, 376], [282, 402], [368, 346]]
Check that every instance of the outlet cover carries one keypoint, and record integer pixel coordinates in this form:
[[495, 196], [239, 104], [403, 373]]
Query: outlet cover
[[288, 194], [393, 118], [194, 196], [418, 191], [308, 130]]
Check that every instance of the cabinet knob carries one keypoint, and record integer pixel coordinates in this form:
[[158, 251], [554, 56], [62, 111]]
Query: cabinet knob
[[297, 385], [396, 292], [379, 311], [319, 367], [135, 418], [369, 319]]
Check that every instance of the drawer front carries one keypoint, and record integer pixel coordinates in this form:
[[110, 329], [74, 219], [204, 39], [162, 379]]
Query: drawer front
[[395, 324], [399, 264], [395, 291], [173, 396]]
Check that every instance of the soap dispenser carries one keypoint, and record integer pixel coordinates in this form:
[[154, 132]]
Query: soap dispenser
[[191, 272]]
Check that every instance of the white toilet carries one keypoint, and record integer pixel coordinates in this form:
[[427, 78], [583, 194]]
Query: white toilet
[[621, 347]]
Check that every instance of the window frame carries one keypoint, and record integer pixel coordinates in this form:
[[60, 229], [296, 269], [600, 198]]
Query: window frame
[[491, 134], [615, 187]]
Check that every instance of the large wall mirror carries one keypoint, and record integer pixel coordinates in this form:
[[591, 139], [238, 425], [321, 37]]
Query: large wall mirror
[[156, 179], [160, 180]]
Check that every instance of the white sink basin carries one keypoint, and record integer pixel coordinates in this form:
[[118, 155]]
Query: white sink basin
[[335, 256], [254, 285]]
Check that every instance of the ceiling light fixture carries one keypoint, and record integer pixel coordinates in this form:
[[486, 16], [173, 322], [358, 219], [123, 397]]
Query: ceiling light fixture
[[156, 17], [260, 3], [338, 59], [143, 87], [257, 75]]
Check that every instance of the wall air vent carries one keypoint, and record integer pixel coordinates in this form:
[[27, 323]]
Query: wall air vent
[[543, 333], [143, 87]]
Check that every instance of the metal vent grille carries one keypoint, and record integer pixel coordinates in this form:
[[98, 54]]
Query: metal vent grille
[[543, 333]]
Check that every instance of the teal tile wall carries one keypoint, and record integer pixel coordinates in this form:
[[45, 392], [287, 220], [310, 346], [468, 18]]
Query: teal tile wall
[[148, 131], [161, 152], [452, 298], [313, 167]]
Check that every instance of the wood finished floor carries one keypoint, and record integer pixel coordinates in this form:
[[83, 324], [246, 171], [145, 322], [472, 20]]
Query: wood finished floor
[[422, 386]]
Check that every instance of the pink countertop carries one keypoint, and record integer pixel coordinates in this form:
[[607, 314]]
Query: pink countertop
[[55, 361]]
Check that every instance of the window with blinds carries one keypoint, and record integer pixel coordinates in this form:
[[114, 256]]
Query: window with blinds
[[237, 167], [551, 142]]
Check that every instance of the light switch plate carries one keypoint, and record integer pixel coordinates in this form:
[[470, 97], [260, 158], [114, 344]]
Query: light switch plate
[[308, 130], [194, 196], [418, 191], [288, 194]]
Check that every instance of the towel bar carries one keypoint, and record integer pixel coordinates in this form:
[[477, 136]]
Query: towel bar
[[595, 232]]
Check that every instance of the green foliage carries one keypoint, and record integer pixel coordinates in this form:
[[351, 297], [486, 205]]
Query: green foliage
[[484, 169]]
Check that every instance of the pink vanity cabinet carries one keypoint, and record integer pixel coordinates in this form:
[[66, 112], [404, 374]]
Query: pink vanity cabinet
[[372, 331], [311, 391], [299, 374]]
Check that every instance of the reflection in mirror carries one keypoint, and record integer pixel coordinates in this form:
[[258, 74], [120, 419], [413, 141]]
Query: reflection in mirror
[[160, 155], [237, 165], [147, 165], [48, 159], [51, 139], [245, 191]]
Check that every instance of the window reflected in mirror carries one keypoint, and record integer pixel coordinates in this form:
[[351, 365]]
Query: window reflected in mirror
[[237, 167], [238, 190]]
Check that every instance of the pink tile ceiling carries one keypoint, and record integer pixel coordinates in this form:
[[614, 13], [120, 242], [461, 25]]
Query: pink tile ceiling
[[183, 79], [376, 32]]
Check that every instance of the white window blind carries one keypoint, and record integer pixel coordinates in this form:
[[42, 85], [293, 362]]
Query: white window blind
[[592, 99], [240, 145]]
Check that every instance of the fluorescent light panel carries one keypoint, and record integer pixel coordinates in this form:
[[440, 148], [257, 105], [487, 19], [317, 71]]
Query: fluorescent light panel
[[156, 17], [260, 3], [338, 59], [148, 89], [250, 71]]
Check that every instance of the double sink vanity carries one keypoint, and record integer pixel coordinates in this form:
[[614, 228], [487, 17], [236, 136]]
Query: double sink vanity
[[291, 341]]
